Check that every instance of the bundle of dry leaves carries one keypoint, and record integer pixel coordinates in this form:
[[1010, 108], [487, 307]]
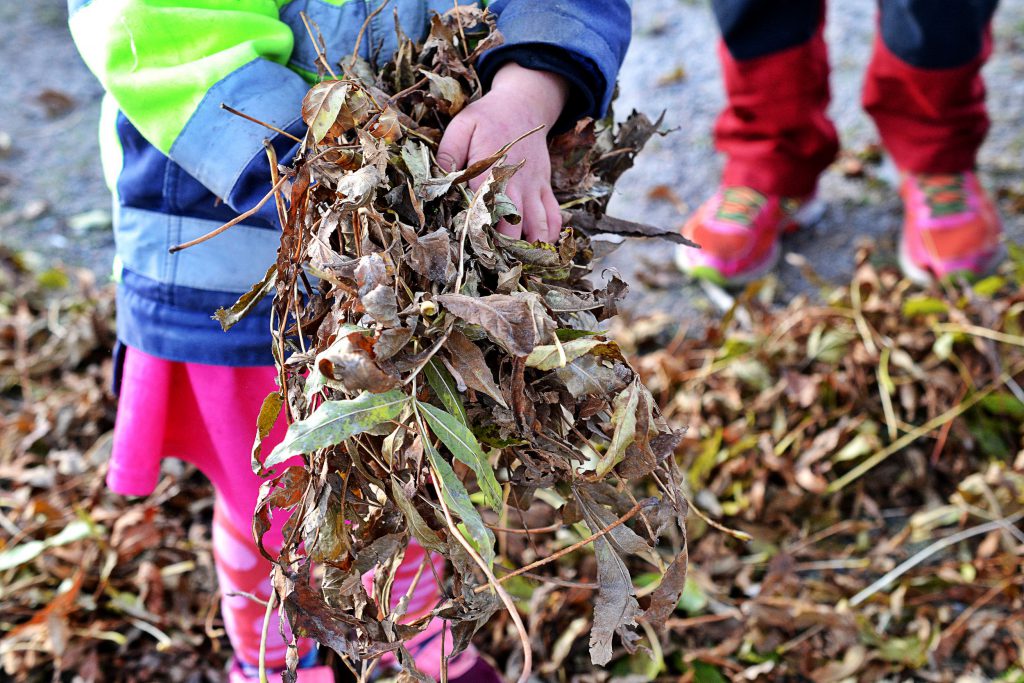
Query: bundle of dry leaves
[[439, 374]]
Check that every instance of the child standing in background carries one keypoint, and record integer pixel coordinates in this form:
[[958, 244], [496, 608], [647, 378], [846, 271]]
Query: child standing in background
[[179, 166], [925, 93]]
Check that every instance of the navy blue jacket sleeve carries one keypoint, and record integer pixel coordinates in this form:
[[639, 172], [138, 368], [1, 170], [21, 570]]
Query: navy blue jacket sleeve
[[584, 41]]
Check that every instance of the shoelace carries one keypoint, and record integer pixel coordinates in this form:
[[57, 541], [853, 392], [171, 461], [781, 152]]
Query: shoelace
[[740, 205], [945, 195]]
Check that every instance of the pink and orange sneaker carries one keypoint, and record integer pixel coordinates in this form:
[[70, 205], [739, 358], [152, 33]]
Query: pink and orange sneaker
[[951, 228], [738, 231]]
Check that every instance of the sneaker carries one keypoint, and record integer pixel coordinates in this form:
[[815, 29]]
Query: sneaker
[[951, 228], [738, 232]]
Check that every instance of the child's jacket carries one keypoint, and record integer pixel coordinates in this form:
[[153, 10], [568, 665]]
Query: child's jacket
[[179, 165]]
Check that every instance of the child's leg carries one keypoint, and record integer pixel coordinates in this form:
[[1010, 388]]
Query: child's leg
[[774, 130], [216, 408], [228, 401], [924, 87]]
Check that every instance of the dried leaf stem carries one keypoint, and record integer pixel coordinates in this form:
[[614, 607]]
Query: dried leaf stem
[[318, 45], [262, 123], [233, 222]]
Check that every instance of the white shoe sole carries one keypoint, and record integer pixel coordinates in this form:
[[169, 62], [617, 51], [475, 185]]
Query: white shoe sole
[[923, 277]]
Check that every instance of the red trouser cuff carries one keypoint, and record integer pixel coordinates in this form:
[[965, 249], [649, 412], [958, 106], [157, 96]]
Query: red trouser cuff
[[774, 131], [930, 120]]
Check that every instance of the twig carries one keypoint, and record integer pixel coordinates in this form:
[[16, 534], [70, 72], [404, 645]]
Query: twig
[[282, 212], [503, 595], [402, 93], [263, 636], [735, 533], [923, 555], [541, 530], [318, 45], [233, 222], [362, 32], [983, 332], [262, 123], [250, 596], [575, 546], [683, 624]]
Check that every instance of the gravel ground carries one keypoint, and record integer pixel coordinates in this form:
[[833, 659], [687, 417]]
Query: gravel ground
[[52, 197], [53, 201]]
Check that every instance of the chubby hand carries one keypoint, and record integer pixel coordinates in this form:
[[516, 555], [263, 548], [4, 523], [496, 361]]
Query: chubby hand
[[519, 100]]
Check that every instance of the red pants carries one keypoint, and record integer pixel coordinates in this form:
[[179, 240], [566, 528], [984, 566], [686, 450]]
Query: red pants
[[923, 89]]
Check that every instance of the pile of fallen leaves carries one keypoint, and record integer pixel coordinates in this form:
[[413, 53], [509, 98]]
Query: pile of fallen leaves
[[91, 584], [871, 444], [441, 379]]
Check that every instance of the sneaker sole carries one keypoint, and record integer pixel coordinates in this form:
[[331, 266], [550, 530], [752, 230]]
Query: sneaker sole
[[924, 277]]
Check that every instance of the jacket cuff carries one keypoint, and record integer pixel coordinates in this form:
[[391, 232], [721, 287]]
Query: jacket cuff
[[586, 84], [591, 35]]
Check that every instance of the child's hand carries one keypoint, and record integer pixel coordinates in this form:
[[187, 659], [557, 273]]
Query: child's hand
[[520, 99]]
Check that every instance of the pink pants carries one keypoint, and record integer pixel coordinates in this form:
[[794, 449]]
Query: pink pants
[[206, 415]]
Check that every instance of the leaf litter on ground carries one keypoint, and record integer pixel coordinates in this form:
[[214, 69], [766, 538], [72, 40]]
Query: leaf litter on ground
[[871, 442], [93, 585]]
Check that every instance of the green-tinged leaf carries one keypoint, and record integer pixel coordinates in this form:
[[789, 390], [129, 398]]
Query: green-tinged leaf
[[269, 412], [457, 499], [417, 161], [566, 334], [335, 421], [828, 345], [989, 286], [443, 384], [53, 278], [923, 305], [30, 550], [943, 346], [1004, 403], [464, 446], [693, 600], [548, 356], [624, 418], [707, 673], [322, 105], [227, 317], [314, 383]]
